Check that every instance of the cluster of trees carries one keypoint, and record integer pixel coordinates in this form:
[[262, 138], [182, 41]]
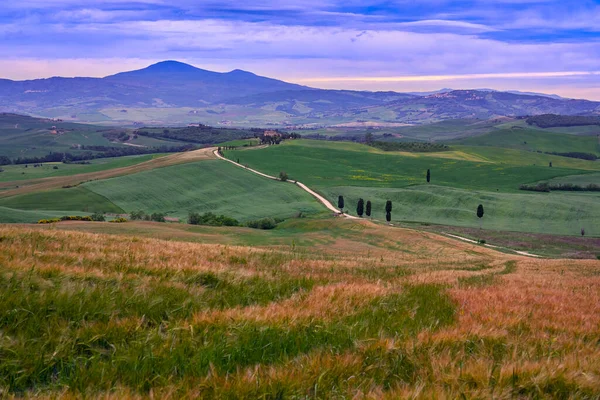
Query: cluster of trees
[[212, 219], [575, 154], [276, 139], [143, 216], [569, 187], [554, 120], [96, 152], [416, 147], [118, 136], [96, 217], [202, 134]]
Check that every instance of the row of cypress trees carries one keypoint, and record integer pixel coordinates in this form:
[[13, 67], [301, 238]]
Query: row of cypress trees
[[362, 209]]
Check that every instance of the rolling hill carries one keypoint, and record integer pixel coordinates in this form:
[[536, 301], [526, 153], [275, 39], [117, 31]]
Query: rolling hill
[[171, 92]]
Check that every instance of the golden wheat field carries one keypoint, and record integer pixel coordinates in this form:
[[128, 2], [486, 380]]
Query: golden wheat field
[[365, 311]]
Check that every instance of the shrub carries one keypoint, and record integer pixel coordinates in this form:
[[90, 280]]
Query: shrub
[[211, 219], [75, 218], [119, 220], [157, 217], [137, 215], [55, 167], [49, 221], [264, 223], [481, 241], [283, 176], [97, 216]]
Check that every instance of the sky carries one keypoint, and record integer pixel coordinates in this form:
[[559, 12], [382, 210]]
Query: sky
[[545, 46]]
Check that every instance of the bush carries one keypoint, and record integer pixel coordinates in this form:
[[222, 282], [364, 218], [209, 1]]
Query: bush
[[137, 215], [264, 223], [55, 167], [99, 217], [75, 218], [283, 176], [569, 187], [211, 219], [157, 217], [119, 220], [481, 241], [48, 221]]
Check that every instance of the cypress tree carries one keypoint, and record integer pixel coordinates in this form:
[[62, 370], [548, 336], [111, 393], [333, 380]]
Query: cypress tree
[[360, 207], [368, 210], [388, 210], [428, 176], [480, 213], [341, 203]]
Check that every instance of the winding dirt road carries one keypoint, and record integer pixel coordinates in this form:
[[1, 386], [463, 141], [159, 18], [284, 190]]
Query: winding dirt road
[[317, 196]]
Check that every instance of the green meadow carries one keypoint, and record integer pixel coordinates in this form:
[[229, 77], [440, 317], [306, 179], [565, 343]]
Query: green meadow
[[204, 186], [48, 170], [535, 140], [461, 180]]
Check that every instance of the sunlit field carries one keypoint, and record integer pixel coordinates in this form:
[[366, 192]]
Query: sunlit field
[[365, 311]]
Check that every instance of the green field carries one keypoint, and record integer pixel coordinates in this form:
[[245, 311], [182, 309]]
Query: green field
[[535, 140], [584, 179], [205, 186], [558, 212], [457, 186], [47, 170], [11, 215], [77, 198], [326, 164]]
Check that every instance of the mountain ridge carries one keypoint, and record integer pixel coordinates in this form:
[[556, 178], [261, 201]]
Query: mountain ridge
[[242, 97]]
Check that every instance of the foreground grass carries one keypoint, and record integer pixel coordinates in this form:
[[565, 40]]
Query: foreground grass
[[92, 315]]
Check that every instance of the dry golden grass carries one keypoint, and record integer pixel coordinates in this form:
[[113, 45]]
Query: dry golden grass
[[522, 327]]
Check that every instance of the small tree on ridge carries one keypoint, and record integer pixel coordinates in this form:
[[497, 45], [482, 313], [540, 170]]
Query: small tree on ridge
[[388, 211], [360, 207], [480, 213]]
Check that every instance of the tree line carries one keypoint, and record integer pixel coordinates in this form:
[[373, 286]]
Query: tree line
[[554, 120], [94, 152]]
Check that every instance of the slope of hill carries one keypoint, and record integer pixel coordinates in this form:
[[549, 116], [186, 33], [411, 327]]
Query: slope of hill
[[171, 88], [168, 83]]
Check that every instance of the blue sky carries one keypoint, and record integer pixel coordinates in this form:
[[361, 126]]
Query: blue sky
[[537, 45]]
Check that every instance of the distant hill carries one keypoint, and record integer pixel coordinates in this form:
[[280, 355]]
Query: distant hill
[[171, 92]]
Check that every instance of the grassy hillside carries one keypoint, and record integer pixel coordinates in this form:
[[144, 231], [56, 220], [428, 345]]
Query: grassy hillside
[[461, 179], [23, 136], [47, 170], [77, 198], [11, 215], [326, 164], [535, 140], [214, 186], [558, 212], [383, 313]]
